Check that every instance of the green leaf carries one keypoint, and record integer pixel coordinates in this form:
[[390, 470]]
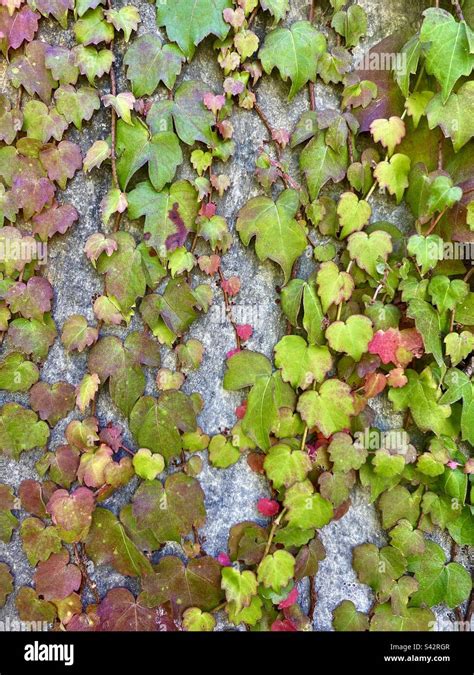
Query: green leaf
[[351, 337], [393, 175], [346, 618], [149, 62], [239, 587], [351, 24], [447, 294], [378, 568], [279, 236], [388, 132], [450, 584], [449, 54], [92, 28], [408, 540], [428, 325], [421, 395], [329, 409], [320, 163], [20, 430], [261, 411], [285, 467], [17, 374], [108, 544], [427, 250], [93, 63], [76, 105], [195, 621], [413, 619], [243, 369], [458, 346], [125, 19], [188, 22], [147, 465], [353, 213], [334, 286], [301, 364], [451, 116], [276, 570], [222, 453], [294, 52], [307, 509], [170, 512], [397, 504], [416, 105], [368, 250], [38, 540], [346, 455]]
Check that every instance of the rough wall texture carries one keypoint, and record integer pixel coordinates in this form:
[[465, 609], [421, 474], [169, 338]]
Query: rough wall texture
[[231, 495]]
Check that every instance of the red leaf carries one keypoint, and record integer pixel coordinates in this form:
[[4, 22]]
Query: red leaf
[[224, 560], [290, 600], [268, 507], [284, 625], [244, 331]]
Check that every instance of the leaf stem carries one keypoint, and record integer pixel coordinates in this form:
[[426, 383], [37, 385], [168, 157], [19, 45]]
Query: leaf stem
[[274, 528]]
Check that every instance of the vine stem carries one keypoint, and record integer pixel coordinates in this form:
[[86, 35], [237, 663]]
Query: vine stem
[[312, 96], [458, 9], [228, 309], [113, 129], [313, 597], [274, 528], [434, 222], [81, 564], [267, 125]]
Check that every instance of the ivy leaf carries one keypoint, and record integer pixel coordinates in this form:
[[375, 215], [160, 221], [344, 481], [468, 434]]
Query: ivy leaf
[[147, 465], [155, 422], [351, 337], [159, 210], [279, 236], [20, 430], [378, 568], [459, 346], [429, 193], [77, 335], [397, 504], [428, 325], [32, 299], [114, 201], [123, 103], [277, 8], [76, 105], [334, 286], [29, 70], [61, 161], [239, 587], [57, 8], [427, 250], [56, 578], [176, 307], [19, 28], [222, 453], [351, 24], [294, 52], [170, 512], [6, 583], [261, 411], [416, 105], [193, 121], [450, 584], [421, 395], [346, 455], [58, 218], [149, 63], [329, 409], [448, 56], [17, 374], [346, 618], [42, 123], [320, 163], [32, 608], [408, 540], [120, 611], [243, 369], [72, 513], [388, 132], [93, 63], [8, 522], [301, 364], [52, 401], [393, 175], [125, 19], [353, 213], [368, 250], [450, 116], [306, 509], [276, 570], [92, 28], [97, 153], [86, 390], [62, 64], [413, 619], [188, 22], [285, 467], [447, 294], [195, 621]]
